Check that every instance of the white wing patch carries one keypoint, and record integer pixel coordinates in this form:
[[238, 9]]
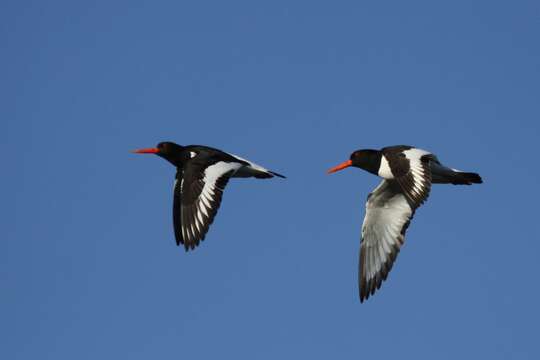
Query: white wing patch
[[251, 164], [207, 197], [421, 180], [211, 175], [181, 184], [217, 170], [415, 153]]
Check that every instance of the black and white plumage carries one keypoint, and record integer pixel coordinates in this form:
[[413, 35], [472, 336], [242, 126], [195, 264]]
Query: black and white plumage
[[202, 173], [407, 174]]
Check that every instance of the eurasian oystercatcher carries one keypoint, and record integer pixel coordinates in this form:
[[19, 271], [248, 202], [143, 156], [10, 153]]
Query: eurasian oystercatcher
[[202, 173], [407, 174]]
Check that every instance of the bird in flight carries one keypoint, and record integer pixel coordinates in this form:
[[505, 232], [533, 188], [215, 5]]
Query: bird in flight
[[202, 173], [407, 174]]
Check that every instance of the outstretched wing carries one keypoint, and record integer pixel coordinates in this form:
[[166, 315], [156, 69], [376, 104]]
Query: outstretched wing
[[388, 214], [197, 199], [177, 207]]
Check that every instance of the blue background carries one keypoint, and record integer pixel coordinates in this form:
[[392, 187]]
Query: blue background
[[88, 264]]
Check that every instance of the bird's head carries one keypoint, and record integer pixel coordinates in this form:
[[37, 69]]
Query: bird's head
[[170, 151], [366, 159]]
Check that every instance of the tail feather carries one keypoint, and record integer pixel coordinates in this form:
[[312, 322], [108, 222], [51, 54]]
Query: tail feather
[[444, 175], [266, 174], [278, 175], [466, 178]]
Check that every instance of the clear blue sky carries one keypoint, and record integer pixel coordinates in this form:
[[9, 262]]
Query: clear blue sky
[[88, 264]]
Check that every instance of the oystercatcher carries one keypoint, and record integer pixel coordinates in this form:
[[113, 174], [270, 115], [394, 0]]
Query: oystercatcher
[[202, 173], [407, 174]]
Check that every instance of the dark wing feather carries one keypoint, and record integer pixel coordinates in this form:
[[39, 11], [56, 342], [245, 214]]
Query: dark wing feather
[[177, 203], [416, 182], [201, 194]]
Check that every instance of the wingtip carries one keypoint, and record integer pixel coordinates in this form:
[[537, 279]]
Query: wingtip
[[363, 296], [278, 175], [362, 293], [480, 180]]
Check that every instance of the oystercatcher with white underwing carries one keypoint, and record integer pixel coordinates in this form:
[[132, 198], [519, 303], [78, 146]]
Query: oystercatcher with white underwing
[[202, 173], [407, 174]]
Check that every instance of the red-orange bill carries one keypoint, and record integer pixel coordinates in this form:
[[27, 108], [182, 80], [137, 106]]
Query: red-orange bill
[[341, 166], [146, 151]]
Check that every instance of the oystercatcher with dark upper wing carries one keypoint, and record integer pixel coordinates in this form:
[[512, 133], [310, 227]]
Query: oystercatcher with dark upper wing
[[202, 173], [407, 174]]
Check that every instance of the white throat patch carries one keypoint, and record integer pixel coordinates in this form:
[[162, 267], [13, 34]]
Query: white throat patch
[[384, 169]]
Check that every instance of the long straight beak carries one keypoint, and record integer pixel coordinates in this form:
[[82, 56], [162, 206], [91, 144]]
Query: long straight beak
[[146, 151], [341, 166]]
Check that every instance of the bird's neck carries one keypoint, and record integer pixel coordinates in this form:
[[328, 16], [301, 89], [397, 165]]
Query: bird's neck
[[371, 162], [175, 158]]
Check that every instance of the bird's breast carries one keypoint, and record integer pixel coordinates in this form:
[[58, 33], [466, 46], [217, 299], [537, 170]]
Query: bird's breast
[[384, 169]]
